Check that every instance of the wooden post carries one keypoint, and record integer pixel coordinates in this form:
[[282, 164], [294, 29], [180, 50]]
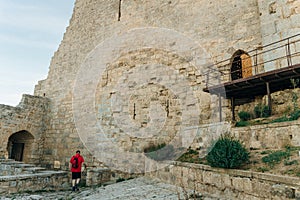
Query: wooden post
[[232, 109], [269, 97], [220, 107]]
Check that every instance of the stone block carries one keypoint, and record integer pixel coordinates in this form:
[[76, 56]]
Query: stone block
[[226, 180], [13, 183], [283, 191], [295, 21], [261, 188], [208, 177]]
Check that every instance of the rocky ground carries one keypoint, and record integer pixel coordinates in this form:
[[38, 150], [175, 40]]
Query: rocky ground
[[135, 189]]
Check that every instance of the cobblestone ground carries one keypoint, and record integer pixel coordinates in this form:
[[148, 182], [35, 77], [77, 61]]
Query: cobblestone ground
[[135, 189]]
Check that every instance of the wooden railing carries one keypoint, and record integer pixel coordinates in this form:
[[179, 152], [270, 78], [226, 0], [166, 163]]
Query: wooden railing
[[276, 55]]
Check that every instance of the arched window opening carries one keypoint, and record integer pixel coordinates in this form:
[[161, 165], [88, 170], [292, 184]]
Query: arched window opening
[[241, 66], [19, 146]]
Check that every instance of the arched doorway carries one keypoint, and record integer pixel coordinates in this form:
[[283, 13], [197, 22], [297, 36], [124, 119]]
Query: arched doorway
[[241, 66], [19, 146]]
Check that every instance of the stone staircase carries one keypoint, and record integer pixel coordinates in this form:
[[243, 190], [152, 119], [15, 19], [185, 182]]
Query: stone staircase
[[20, 177]]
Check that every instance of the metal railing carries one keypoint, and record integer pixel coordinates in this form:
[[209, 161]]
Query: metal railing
[[280, 54]]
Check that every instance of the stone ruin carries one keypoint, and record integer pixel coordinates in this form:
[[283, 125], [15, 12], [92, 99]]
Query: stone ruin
[[130, 74]]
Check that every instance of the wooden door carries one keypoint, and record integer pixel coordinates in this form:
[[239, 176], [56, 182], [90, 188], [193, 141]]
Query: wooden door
[[246, 66]]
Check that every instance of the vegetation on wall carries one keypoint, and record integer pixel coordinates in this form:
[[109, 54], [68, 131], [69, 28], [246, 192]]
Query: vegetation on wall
[[191, 156], [275, 157], [261, 110], [244, 116], [284, 161], [293, 116], [295, 84], [281, 161]]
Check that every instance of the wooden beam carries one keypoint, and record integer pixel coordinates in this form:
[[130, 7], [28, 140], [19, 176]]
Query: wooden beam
[[269, 97], [232, 108], [119, 11]]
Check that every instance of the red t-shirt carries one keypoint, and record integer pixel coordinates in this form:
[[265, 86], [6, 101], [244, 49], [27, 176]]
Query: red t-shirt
[[80, 161]]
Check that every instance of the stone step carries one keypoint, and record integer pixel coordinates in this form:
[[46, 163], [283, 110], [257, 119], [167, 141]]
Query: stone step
[[7, 160], [14, 168], [19, 177], [32, 170], [43, 180], [34, 175], [18, 164]]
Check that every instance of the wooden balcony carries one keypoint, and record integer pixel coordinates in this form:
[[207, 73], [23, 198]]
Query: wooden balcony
[[242, 78]]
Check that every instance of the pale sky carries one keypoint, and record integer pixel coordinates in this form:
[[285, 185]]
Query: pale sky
[[30, 33]]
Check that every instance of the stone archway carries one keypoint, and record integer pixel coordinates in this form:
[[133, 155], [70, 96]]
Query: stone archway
[[20, 145], [241, 65]]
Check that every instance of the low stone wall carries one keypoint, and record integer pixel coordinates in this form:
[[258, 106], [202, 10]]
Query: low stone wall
[[98, 176], [34, 182], [101, 176], [265, 136], [269, 136], [229, 184]]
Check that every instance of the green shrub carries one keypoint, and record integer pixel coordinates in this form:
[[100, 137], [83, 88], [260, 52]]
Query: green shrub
[[191, 156], [280, 119], [266, 112], [191, 151], [257, 111], [244, 116], [293, 162], [263, 169], [294, 115], [275, 157], [242, 123], [262, 111], [266, 152], [227, 152]]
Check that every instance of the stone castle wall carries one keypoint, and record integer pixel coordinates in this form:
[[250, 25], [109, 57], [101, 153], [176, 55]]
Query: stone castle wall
[[217, 30], [280, 19]]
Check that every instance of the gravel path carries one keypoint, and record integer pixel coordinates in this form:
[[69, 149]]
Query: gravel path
[[135, 189]]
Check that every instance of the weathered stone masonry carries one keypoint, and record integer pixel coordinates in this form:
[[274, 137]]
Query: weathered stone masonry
[[229, 183], [214, 28], [220, 28], [26, 123]]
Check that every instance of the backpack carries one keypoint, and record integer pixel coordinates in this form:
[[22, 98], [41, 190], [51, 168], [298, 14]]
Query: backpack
[[75, 163]]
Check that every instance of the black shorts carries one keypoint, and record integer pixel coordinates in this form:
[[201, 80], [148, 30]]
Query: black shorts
[[76, 175]]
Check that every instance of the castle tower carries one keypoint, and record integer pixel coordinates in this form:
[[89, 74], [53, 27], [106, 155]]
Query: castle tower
[[143, 64]]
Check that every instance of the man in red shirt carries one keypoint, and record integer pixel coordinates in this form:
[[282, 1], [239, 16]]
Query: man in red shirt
[[75, 167]]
